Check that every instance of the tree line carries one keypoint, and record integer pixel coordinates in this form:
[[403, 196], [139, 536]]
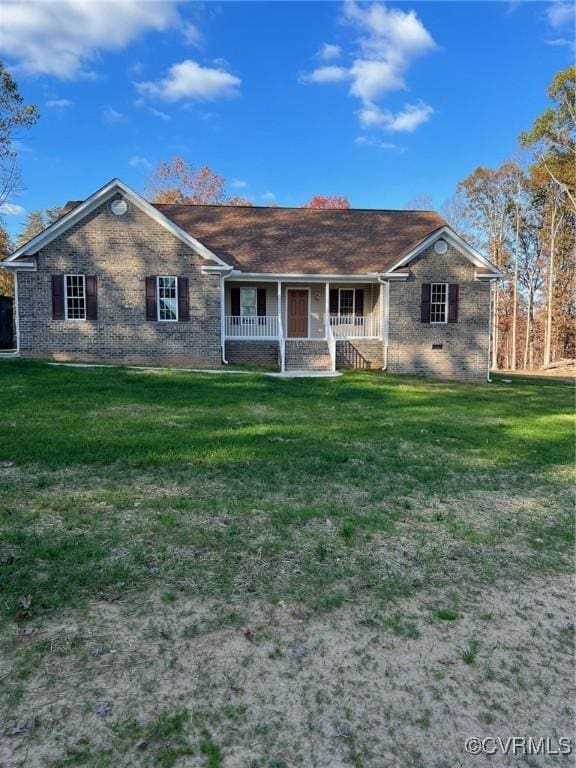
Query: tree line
[[522, 215]]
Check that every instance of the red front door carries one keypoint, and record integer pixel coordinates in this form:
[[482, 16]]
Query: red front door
[[297, 314]]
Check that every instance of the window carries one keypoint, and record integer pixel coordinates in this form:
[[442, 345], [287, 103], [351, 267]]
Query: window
[[248, 302], [438, 302], [167, 298], [346, 305], [75, 297]]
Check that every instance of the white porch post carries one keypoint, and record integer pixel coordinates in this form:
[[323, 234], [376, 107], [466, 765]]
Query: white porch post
[[223, 319], [281, 347], [279, 301]]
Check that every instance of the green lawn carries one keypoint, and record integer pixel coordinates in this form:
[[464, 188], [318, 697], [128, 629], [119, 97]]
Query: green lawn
[[151, 489]]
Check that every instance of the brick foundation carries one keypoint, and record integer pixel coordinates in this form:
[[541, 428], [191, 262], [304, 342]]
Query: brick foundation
[[260, 353], [359, 353]]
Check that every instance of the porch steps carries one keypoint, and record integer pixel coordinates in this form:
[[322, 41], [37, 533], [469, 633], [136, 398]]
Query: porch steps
[[307, 355]]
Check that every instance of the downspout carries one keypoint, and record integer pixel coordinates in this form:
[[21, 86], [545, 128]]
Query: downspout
[[223, 319], [488, 379]]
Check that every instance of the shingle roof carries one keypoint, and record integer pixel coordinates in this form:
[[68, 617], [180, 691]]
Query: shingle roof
[[304, 240]]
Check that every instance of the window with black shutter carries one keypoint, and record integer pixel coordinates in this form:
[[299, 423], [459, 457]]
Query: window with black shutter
[[58, 297], [453, 291], [425, 303], [91, 297]]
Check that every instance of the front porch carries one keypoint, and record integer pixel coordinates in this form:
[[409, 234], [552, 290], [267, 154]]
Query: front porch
[[302, 310], [305, 321]]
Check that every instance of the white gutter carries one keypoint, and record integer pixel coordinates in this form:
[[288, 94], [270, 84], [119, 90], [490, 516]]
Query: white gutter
[[301, 277]]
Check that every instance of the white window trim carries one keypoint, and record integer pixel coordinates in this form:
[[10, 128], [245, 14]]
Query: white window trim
[[164, 319], [353, 301], [74, 274], [248, 288], [439, 322]]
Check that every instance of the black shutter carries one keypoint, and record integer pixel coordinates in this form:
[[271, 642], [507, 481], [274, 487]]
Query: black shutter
[[58, 297], [425, 304], [235, 302], [359, 302], [261, 302], [91, 298], [183, 299], [151, 312], [453, 303], [333, 301]]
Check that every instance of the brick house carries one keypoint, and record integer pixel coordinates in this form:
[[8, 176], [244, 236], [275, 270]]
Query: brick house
[[117, 279]]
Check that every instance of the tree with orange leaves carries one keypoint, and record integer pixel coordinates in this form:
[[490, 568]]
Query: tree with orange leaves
[[178, 181], [327, 201]]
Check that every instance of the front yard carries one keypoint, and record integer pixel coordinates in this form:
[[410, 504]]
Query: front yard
[[239, 570]]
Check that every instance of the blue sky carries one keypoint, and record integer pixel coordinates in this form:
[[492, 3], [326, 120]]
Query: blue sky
[[380, 102]]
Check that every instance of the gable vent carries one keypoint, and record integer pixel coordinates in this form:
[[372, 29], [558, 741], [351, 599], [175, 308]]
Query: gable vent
[[119, 207]]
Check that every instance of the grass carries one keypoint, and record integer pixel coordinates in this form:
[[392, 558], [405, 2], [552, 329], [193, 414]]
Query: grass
[[114, 479], [155, 490]]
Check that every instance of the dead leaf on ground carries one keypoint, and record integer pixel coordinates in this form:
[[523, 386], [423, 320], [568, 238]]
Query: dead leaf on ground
[[24, 726]]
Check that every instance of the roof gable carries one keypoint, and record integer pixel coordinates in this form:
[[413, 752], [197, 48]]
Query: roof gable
[[457, 242], [73, 213]]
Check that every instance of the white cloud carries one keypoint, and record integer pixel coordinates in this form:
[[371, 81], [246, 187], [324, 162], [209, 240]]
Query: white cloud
[[268, 197], [11, 209], [389, 41], [159, 114], [329, 74], [111, 115], [328, 52], [59, 103], [62, 38], [372, 78], [560, 14], [192, 34], [238, 184], [405, 121], [137, 161], [369, 141], [189, 81]]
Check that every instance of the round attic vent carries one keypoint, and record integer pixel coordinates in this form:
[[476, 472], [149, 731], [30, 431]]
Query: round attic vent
[[119, 207], [440, 246]]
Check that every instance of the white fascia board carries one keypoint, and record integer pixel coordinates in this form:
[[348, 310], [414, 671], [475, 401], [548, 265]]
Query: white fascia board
[[272, 277], [24, 266], [482, 277], [399, 276], [220, 269], [461, 245], [94, 201]]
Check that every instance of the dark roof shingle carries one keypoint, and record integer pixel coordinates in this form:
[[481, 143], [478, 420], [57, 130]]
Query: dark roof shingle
[[303, 240]]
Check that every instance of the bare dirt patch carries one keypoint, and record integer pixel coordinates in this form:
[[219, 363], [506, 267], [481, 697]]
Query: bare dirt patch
[[251, 685]]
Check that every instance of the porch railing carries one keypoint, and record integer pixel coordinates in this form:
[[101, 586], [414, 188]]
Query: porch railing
[[268, 327], [355, 326], [262, 327]]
